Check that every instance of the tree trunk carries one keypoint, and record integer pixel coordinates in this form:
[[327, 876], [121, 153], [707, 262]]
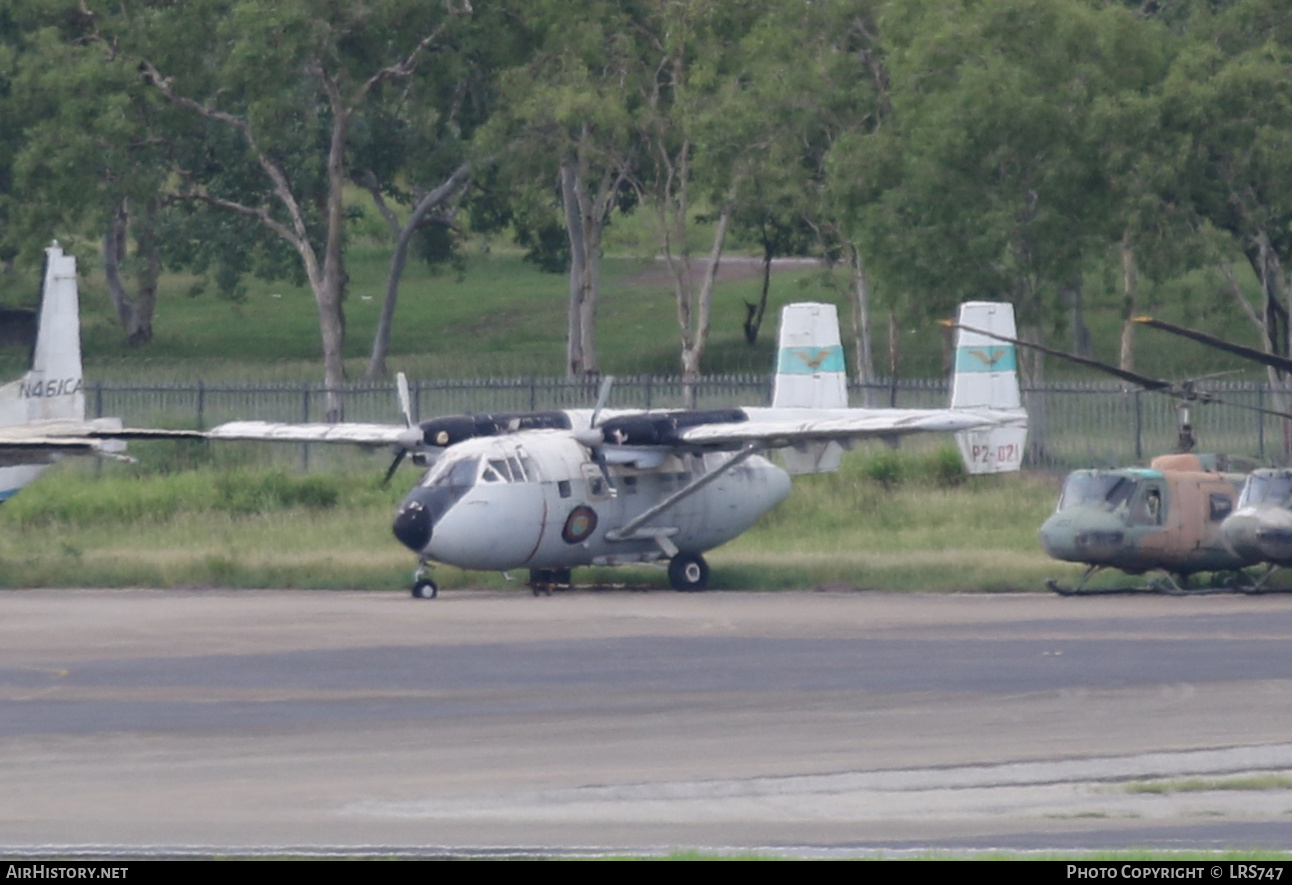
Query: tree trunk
[[135, 313], [330, 290], [399, 260], [694, 340], [140, 330], [1272, 323], [754, 312], [861, 323], [114, 252], [586, 214], [578, 264]]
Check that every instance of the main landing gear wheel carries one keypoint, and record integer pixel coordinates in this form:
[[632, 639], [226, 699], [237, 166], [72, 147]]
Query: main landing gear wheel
[[424, 588], [688, 572], [544, 580]]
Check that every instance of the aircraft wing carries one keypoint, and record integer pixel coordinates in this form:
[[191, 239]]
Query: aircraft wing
[[104, 437], [345, 433], [777, 433]]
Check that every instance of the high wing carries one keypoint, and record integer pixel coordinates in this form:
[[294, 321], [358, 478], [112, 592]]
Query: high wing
[[345, 434], [778, 428], [105, 437]]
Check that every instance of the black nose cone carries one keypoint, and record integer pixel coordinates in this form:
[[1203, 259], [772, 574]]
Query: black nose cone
[[412, 526]]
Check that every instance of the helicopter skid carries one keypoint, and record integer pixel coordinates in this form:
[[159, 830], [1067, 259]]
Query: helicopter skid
[[1167, 585]]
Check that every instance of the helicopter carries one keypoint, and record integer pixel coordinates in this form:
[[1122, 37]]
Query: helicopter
[[1168, 519], [551, 491], [1260, 528]]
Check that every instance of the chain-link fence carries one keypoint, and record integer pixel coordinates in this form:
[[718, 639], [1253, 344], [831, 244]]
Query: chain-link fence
[[1072, 424]]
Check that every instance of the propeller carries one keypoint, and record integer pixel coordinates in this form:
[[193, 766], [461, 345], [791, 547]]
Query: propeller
[[1185, 392], [593, 439], [411, 439]]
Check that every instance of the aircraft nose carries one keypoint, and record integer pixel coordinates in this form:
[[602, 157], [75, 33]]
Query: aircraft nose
[[1090, 538], [412, 525], [1260, 533]]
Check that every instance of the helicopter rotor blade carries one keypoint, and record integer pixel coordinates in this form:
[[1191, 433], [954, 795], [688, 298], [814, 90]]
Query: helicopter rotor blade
[[1133, 377], [1260, 356]]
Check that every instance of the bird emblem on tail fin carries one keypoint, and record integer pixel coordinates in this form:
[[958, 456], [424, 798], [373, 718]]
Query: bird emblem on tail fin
[[813, 358], [990, 355]]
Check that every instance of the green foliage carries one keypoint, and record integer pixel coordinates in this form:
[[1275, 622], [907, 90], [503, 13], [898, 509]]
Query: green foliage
[[240, 493], [146, 497], [885, 468], [940, 467]]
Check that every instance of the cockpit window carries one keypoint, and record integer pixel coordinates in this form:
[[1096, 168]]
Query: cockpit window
[[1097, 490], [1267, 489], [459, 473], [496, 471]]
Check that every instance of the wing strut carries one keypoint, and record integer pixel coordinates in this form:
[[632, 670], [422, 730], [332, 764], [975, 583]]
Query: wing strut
[[628, 530]]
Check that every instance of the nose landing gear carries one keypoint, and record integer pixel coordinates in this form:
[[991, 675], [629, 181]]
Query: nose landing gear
[[423, 587], [688, 573]]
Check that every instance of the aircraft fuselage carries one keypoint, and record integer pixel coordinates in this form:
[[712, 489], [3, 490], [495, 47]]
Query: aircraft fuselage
[[538, 500]]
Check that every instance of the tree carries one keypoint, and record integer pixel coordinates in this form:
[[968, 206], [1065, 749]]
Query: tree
[[696, 134], [1230, 90], [287, 81], [566, 125]]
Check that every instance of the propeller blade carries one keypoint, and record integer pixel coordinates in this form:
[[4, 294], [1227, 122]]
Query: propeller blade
[[405, 400], [1260, 356], [602, 397], [394, 465]]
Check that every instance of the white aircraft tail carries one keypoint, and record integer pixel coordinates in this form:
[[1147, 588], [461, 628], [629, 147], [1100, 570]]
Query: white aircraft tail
[[985, 379], [52, 390], [810, 374]]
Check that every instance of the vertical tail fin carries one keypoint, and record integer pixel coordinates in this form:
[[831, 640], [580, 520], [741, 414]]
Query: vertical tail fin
[[809, 362], [810, 374], [52, 389], [986, 379]]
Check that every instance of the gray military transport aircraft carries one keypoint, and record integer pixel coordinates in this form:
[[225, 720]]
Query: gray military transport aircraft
[[549, 491], [42, 414]]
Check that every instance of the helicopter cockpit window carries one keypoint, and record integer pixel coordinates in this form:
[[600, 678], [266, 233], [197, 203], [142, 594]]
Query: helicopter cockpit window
[[1097, 490], [1276, 489], [1221, 506], [1147, 509]]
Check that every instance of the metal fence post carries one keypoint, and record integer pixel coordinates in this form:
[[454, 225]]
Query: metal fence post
[[201, 406], [305, 417], [98, 413], [1260, 420], [1139, 429]]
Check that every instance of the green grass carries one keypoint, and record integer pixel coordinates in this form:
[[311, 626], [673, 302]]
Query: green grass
[[262, 526], [1268, 781]]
